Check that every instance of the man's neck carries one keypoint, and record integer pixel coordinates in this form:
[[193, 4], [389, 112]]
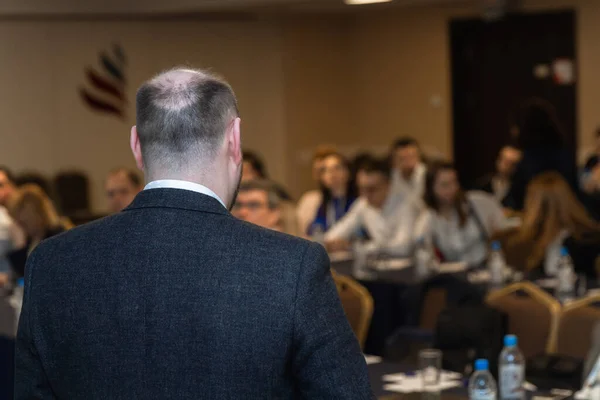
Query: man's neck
[[212, 184]]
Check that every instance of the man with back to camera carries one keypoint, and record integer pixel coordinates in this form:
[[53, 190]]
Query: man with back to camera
[[174, 298], [122, 185]]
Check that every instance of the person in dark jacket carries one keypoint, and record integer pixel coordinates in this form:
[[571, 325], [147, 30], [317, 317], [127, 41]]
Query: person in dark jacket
[[34, 212], [498, 184], [174, 298], [538, 133]]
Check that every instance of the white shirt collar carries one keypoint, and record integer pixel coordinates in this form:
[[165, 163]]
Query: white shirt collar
[[184, 185]]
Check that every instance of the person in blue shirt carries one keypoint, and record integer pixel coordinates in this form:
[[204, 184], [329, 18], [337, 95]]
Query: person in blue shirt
[[338, 193]]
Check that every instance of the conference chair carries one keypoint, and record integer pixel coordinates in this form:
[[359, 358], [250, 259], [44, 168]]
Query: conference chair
[[358, 305], [532, 315], [576, 324]]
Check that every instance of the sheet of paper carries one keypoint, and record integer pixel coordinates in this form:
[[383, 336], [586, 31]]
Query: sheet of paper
[[547, 283], [445, 376], [372, 359], [449, 268], [393, 264], [481, 276], [340, 256], [416, 385]]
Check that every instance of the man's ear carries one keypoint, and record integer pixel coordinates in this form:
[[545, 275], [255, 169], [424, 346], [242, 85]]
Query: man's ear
[[234, 142], [136, 149]]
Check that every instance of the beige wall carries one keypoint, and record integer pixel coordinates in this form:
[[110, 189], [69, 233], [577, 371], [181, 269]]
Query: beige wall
[[351, 79], [402, 66], [46, 127]]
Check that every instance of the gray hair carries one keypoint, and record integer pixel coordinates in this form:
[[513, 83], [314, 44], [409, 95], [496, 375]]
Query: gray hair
[[182, 115], [263, 185]]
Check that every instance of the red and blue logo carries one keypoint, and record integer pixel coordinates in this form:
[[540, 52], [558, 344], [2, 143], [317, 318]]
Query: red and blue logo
[[104, 91]]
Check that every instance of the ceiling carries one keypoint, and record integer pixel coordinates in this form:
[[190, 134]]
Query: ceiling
[[94, 7]]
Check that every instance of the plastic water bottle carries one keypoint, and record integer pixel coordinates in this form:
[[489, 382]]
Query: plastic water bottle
[[423, 258], [482, 385], [566, 276], [511, 370], [496, 264]]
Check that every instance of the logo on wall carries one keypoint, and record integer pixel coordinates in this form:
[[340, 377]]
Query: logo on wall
[[104, 91]]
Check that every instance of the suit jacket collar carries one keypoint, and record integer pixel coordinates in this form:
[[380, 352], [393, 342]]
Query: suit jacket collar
[[177, 199]]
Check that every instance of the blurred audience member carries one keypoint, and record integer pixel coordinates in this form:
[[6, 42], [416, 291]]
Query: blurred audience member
[[595, 157], [498, 183], [552, 218], [11, 236], [408, 169], [590, 182], [310, 201], [385, 216], [254, 168], [31, 208], [122, 185], [258, 203], [8, 186], [338, 192], [36, 179], [545, 148], [456, 223]]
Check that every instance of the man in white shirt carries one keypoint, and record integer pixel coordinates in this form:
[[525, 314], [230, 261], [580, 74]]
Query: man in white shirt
[[408, 169], [386, 216]]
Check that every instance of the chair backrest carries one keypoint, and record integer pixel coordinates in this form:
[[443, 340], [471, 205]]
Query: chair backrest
[[358, 305], [434, 302], [72, 189], [532, 316], [442, 291], [576, 324]]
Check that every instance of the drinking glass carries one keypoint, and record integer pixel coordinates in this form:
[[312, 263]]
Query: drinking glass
[[430, 365]]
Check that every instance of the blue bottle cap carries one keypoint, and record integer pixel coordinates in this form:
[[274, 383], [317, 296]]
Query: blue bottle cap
[[564, 252], [510, 340], [496, 245], [481, 364], [21, 282]]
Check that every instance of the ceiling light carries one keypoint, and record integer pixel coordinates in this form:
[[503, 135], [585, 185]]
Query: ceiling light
[[357, 2]]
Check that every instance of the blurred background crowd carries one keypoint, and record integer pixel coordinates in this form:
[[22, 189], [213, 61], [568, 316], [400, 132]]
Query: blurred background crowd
[[461, 128]]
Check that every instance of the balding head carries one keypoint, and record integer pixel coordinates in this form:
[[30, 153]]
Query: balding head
[[187, 128], [182, 116]]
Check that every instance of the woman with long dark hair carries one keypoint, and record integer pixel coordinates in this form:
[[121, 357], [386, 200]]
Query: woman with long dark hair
[[457, 223], [338, 192]]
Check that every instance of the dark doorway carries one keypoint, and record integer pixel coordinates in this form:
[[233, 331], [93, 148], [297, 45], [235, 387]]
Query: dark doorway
[[496, 66]]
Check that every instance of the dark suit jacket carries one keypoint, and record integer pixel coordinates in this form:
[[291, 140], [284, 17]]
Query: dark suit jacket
[[18, 258], [176, 299]]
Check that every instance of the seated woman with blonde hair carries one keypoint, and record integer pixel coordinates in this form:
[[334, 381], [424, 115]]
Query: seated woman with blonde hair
[[35, 214], [552, 218]]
